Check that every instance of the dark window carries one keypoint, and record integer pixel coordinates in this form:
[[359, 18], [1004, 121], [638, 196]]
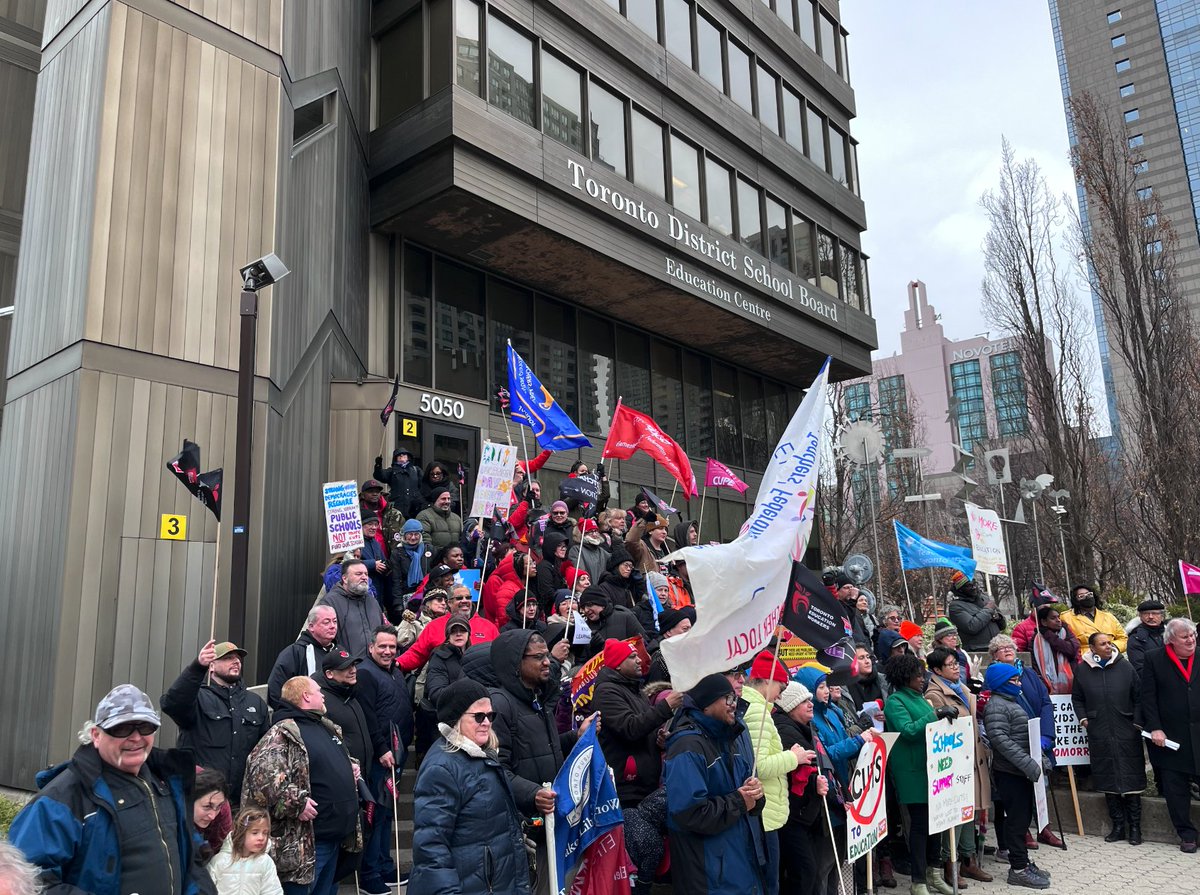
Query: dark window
[[828, 40], [837, 156], [466, 44], [708, 51], [778, 238], [793, 118], [562, 101], [718, 190], [739, 77], [441, 15], [633, 368], [806, 18], [597, 373], [644, 14], [667, 383], [416, 323], [649, 170], [827, 260], [607, 111], [511, 311], [776, 410], [556, 363], [677, 19], [749, 216], [697, 394], [310, 118], [459, 328], [510, 70], [685, 176], [967, 385], [754, 420], [401, 67], [816, 137], [726, 416], [768, 99], [804, 248]]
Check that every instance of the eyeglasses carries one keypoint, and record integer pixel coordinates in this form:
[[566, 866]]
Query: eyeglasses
[[537, 657], [121, 731], [953, 662], [480, 717], [737, 672], [731, 699]]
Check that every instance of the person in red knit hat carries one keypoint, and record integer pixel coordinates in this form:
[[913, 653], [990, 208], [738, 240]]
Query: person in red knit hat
[[912, 633]]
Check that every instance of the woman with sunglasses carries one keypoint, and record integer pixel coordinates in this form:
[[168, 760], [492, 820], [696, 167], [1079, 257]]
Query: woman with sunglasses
[[467, 832]]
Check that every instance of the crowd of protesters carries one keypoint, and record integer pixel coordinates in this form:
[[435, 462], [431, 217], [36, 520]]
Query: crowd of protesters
[[737, 785]]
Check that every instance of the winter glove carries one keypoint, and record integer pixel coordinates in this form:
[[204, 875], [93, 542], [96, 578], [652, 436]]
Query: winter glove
[[948, 712], [1047, 765], [651, 516], [379, 461]]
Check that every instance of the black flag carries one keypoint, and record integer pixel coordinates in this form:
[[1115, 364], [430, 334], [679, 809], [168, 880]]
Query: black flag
[[390, 406], [205, 487], [812, 613]]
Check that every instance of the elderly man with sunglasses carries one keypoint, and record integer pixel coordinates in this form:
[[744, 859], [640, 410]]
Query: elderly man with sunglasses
[[117, 817]]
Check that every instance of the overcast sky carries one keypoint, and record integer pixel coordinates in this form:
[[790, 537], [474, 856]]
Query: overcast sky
[[937, 84]]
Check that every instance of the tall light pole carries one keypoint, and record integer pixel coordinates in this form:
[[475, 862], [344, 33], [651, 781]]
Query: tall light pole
[[256, 275], [1059, 496]]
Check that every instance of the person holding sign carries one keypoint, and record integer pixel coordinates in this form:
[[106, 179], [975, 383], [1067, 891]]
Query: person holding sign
[[1104, 695], [1014, 770], [907, 713]]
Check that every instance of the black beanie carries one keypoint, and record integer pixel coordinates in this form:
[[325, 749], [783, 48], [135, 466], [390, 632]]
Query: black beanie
[[619, 555], [453, 702], [669, 618], [708, 691]]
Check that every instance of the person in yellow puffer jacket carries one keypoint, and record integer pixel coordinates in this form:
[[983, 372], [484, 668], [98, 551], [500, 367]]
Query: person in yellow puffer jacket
[[1085, 618], [768, 677]]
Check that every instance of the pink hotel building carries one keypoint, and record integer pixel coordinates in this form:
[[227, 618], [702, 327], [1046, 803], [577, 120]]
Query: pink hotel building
[[983, 374]]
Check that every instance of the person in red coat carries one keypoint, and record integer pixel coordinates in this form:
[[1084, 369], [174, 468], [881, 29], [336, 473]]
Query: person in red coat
[[433, 634], [491, 605]]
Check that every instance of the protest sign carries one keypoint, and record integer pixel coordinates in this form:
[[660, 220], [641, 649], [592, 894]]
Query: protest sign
[[582, 634], [586, 807], [1039, 786], [580, 491], [987, 540], [866, 807], [583, 684], [1070, 739], [342, 519], [812, 612], [950, 765], [493, 484], [468, 578]]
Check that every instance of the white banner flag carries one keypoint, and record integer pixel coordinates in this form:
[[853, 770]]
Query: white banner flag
[[740, 587], [987, 540]]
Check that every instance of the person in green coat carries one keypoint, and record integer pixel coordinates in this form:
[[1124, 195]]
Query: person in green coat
[[907, 713]]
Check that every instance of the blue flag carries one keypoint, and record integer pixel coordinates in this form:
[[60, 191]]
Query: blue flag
[[586, 804], [534, 407], [917, 552]]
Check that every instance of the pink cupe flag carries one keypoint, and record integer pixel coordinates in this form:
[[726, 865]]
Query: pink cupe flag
[[718, 475], [1190, 576]]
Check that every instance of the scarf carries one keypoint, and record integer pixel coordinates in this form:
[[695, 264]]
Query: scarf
[[1186, 671], [957, 687], [1054, 668], [415, 575]]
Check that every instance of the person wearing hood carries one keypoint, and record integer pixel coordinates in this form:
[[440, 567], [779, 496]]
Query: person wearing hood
[[1014, 770], [887, 644], [768, 677], [305, 655], [806, 853], [686, 533], [714, 804], [672, 623], [338, 679], [1105, 697], [867, 685], [524, 611], [467, 836], [531, 748], [946, 688], [829, 724], [505, 583], [617, 582], [549, 571], [403, 480], [440, 525], [302, 775], [358, 614], [977, 618], [445, 665], [1086, 616], [1055, 651], [1145, 632], [908, 714], [606, 621]]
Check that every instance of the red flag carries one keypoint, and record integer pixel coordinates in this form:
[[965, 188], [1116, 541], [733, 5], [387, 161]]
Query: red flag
[[633, 431], [606, 868], [1190, 576]]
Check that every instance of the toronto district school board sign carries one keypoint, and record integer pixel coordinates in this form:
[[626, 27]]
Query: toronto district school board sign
[[737, 261]]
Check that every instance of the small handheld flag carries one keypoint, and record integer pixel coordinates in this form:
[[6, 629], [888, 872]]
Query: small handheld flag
[[204, 486]]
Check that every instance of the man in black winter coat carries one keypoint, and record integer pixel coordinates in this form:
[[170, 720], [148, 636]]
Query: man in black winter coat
[[219, 719], [404, 481], [338, 679], [629, 732], [976, 617], [606, 621], [303, 658], [1148, 635]]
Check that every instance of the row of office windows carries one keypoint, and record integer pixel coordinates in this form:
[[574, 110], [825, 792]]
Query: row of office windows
[[456, 322], [528, 80], [690, 34]]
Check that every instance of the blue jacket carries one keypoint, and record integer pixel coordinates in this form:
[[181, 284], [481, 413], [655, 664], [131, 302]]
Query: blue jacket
[[829, 726], [1038, 697], [717, 846], [467, 833], [70, 831]]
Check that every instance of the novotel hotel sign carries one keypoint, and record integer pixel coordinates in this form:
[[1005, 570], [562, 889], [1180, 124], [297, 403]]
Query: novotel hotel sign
[[1001, 347], [747, 265]]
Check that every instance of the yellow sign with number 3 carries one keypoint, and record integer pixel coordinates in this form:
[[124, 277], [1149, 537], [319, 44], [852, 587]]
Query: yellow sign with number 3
[[173, 528]]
